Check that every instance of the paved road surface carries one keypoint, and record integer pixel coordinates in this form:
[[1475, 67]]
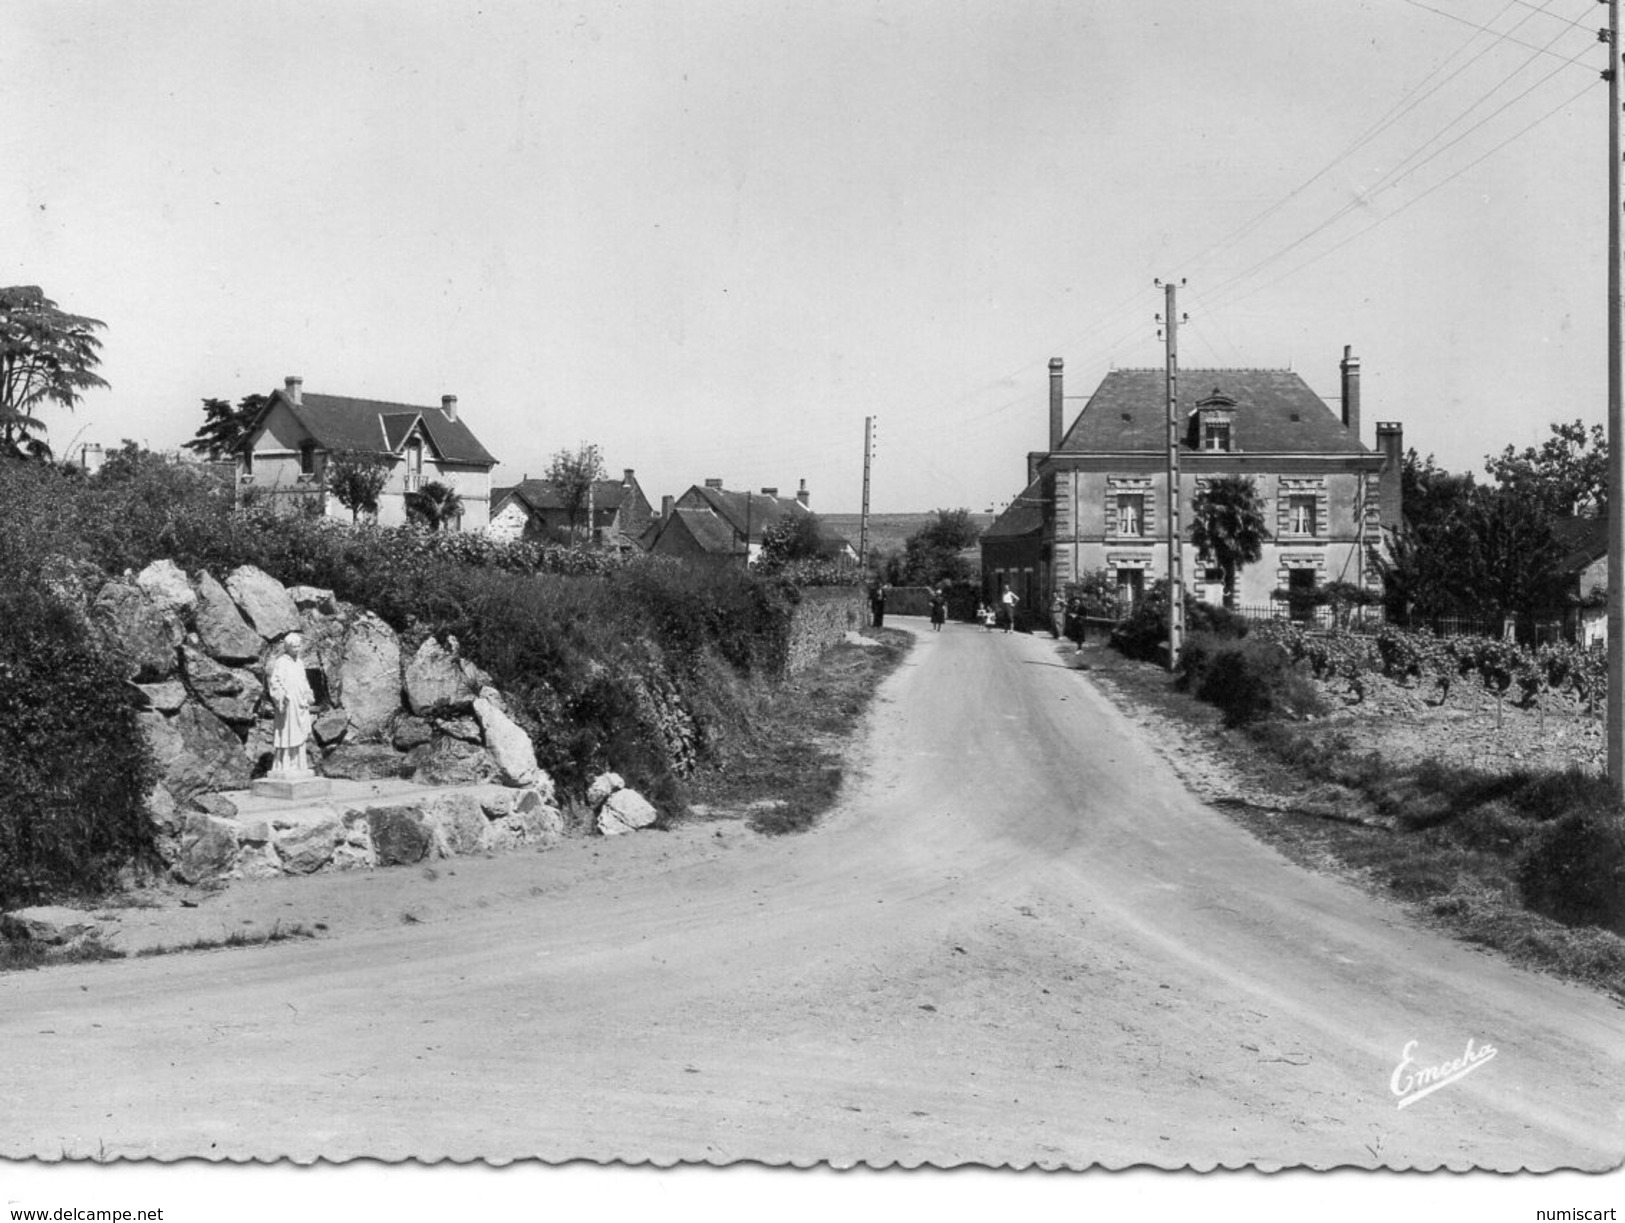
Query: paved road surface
[[1018, 941]]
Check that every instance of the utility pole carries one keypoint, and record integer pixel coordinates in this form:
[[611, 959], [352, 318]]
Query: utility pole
[[863, 522], [1176, 534], [1616, 437]]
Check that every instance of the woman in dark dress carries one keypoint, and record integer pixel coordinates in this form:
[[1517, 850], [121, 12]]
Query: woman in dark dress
[[939, 609]]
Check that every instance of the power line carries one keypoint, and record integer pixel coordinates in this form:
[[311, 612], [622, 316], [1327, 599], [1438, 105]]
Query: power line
[[1394, 177], [1569, 101], [1486, 29]]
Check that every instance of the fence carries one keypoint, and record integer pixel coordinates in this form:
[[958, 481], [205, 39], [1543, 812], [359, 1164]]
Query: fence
[[1370, 619]]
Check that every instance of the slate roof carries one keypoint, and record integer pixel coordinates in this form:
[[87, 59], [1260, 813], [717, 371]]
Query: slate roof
[[338, 422], [1023, 516], [546, 495], [758, 510], [1275, 413]]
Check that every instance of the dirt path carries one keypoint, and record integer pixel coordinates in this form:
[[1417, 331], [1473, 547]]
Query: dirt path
[[1019, 940]]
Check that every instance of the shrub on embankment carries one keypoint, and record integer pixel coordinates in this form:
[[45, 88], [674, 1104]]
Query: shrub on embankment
[[638, 665]]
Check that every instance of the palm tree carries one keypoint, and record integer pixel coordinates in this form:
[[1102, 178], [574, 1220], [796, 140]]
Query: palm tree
[[435, 504], [1227, 523]]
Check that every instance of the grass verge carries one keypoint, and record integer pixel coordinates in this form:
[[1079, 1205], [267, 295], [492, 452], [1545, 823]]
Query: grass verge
[[1449, 843], [21, 955], [786, 769], [238, 938]]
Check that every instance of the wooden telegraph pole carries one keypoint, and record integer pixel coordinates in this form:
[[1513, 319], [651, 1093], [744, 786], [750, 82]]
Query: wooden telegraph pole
[[1176, 550], [1616, 437], [863, 521]]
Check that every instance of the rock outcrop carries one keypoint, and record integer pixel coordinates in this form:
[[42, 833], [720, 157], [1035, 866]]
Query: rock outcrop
[[370, 676], [263, 601]]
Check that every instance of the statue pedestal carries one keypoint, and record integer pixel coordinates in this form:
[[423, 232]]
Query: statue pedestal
[[292, 786]]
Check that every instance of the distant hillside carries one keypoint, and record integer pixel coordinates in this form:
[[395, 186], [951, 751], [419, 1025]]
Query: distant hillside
[[888, 531]]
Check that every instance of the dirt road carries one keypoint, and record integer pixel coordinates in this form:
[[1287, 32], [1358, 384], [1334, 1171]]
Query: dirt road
[[1019, 940]]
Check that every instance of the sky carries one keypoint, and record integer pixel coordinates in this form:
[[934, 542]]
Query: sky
[[713, 238]]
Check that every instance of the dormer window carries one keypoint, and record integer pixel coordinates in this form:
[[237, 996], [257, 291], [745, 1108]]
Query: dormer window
[[1215, 421]]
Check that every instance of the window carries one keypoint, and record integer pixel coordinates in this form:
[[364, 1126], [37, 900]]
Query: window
[[1130, 588], [1301, 518], [1215, 436], [307, 459], [1131, 514]]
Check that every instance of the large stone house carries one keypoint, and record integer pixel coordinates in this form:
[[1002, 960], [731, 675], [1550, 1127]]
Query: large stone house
[[539, 509], [1097, 499], [286, 452]]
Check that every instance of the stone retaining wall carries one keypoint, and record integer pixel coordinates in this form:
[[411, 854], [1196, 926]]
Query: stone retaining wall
[[822, 618]]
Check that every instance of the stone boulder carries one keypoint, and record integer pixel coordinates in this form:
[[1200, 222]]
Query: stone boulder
[[231, 694], [195, 751], [264, 601], [330, 727], [217, 805], [400, 835], [460, 824], [437, 682], [165, 697], [258, 862], [450, 762], [314, 599], [370, 675], [602, 787], [363, 762], [163, 811], [411, 732], [509, 746], [136, 630], [208, 849], [354, 850], [53, 925], [306, 848], [467, 729], [625, 811], [323, 654], [220, 626], [72, 583], [168, 588]]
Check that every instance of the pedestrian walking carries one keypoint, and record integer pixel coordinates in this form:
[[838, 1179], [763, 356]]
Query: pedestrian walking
[[1009, 598], [1057, 615], [939, 609]]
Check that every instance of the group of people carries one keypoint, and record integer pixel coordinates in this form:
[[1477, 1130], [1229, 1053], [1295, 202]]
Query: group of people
[[990, 615]]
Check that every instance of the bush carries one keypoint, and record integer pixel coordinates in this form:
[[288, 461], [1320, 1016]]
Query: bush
[[1574, 869], [75, 770], [1248, 679]]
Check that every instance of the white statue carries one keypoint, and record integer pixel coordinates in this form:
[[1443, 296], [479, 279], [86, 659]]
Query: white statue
[[290, 693]]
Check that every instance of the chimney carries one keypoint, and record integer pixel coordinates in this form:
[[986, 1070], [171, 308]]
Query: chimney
[[294, 385], [448, 405], [91, 458], [1055, 365], [1351, 392], [713, 483], [666, 504], [802, 495], [626, 477], [1390, 489], [770, 492]]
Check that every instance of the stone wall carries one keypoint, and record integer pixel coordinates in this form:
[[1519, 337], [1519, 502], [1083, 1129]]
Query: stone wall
[[823, 617]]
